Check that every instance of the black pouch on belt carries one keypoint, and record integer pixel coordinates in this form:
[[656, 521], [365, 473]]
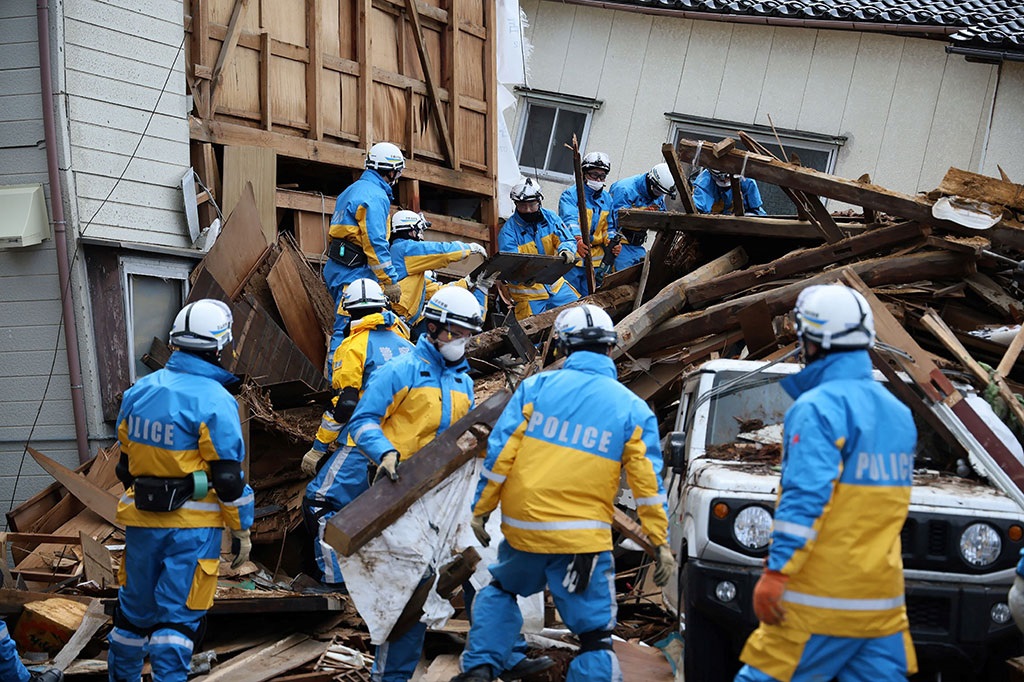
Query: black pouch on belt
[[578, 572], [345, 253], [162, 494]]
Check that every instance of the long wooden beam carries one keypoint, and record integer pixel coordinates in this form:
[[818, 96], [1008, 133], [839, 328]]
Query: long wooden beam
[[88, 493], [726, 225], [982, 188]]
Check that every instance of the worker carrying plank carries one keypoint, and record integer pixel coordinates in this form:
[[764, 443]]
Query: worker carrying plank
[[831, 598], [596, 166], [533, 229], [554, 463], [181, 466], [646, 190]]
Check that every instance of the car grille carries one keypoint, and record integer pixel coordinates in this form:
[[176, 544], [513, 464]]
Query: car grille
[[928, 614]]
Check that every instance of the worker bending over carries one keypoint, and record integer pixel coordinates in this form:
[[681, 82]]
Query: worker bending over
[[646, 190], [712, 193]]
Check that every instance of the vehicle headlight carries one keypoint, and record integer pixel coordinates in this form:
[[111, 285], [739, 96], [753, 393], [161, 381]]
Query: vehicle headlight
[[753, 527], [980, 545]]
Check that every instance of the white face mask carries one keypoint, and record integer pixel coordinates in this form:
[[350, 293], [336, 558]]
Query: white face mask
[[453, 350], [595, 185]]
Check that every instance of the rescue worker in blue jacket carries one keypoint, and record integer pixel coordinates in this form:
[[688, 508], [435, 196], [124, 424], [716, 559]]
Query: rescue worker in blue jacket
[[414, 258], [830, 599], [604, 245], [13, 670], [534, 229], [376, 337], [646, 190], [181, 464], [358, 244], [712, 193], [554, 462]]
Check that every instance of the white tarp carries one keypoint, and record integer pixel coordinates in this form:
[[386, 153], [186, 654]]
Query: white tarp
[[512, 55]]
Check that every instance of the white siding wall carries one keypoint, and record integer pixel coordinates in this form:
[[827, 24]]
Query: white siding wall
[[118, 56], [31, 340], [909, 110]]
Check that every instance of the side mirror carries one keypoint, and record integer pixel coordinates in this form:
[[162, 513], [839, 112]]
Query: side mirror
[[676, 446]]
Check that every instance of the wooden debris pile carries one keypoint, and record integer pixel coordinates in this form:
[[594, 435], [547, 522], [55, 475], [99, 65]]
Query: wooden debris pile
[[944, 292]]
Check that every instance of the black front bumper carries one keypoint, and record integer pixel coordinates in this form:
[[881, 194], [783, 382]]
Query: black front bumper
[[951, 623]]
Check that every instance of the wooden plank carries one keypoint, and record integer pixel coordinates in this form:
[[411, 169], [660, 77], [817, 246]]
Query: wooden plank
[[226, 48], [12, 601], [92, 621], [758, 331], [683, 189], [869, 215], [324, 307], [982, 188], [366, 516], [300, 320], [581, 207], [266, 96], [642, 664], [314, 70], [266, 663], [671, 300], [725, 225], [96, 562], [995, 296], [653, 262], [442, 669], [805, 261], [428, 76], [625, 525], [91, 495], [650, 384], [255, 166], [240, 246], [1010, 358], [737, 197]]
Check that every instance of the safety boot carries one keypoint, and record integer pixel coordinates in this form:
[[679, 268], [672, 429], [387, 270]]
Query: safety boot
[[527, 667], [481, 673]]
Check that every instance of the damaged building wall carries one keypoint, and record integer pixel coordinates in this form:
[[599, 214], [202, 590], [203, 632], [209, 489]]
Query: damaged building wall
[[907, 109]]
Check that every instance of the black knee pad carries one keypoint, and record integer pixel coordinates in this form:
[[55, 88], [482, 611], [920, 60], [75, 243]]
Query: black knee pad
[[595, 640]]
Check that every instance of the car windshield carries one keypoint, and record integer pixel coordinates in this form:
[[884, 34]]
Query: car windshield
[[737, 408]]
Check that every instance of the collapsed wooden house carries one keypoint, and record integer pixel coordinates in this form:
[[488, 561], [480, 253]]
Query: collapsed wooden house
[[713, 286]]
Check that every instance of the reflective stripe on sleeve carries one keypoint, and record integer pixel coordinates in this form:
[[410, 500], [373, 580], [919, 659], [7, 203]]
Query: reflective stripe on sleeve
[[805, 532], [555, 525], [842, 604], [240, 502], [205, 506], [649, 501], [491, 476], [363, 429]]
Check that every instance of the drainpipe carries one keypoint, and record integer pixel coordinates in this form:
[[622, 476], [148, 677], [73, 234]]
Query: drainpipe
[[60, 235]]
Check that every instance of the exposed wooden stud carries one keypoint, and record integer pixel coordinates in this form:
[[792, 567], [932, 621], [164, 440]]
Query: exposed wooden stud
[[683, 189], [746, 226], [314, 70], [723, 146], [489, 207], [266, 97], [450, 67], [428, 76], [200, 56], [869, 215], [364, 54], [737, 197]]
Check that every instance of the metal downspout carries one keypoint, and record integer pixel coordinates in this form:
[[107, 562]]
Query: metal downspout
[[60, 235]]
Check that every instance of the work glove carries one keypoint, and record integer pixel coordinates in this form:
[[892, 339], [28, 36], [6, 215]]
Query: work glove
[[664, 565], [241, 545], [393, 292], [617, 249], [388, 466], [768, 597], [478, 524], [568, 256], [47, 675], [310, 460], [476, 248], [582, 249], [1016, 601]]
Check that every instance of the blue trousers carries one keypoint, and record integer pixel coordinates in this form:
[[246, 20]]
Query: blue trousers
[[566, 294], [497, 620], [850, 659], [629, 256], [168, 576], [11, 667], [338, 482]]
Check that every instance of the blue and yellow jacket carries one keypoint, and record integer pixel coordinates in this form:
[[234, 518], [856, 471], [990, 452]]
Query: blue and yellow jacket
[[172, 423], [847, 470], [372, 341], [632, 192], [410, 401], [549, 237], [412, 260], [600, 214], [361, 216], [555, 457], [710, 198]]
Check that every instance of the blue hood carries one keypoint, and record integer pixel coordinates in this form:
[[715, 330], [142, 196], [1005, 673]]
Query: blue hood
[[854, 364]]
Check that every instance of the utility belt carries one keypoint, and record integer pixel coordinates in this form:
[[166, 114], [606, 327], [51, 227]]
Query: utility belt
[[156, 494], [346, 253], [634, 237]]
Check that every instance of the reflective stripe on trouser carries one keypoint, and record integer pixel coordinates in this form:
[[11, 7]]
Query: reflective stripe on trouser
[[396, 661], [791, 656], [163, 577], [566, 294], [497, 620], [340, 481], [630, 255]]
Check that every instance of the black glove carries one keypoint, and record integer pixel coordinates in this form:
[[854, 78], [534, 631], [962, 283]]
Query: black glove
[[347, 401], [48, 675], [578, 572]]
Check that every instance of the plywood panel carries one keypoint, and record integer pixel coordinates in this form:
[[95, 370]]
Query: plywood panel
[[350, 104], [239, 88], [348, 17], [744, 70], [288, 88], [389, 112], [286, 20], [411, 66], [384, 34], [472, 63], [220, 13], [330, 99], [828, 81], [330, 28], [701, 79], [588, 38], [785, 80], [425, 135], [471, 131], [471, 11], [258, 166]]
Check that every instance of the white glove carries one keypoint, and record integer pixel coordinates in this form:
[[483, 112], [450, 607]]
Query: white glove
[[485, 282], [478, 525], [568, 256], [1016, 601], [241, 545], [393, 292], [477, 248], [664, 566], [310, 460]]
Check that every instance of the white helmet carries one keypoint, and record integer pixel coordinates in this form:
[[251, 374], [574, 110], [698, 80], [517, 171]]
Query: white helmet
[[455, 305], [409, 221], [597, 160], [528, 190], [384, 157], [722, 178], [203, 325], [584, 325], [659, 178], [834, 316], [363, 293]]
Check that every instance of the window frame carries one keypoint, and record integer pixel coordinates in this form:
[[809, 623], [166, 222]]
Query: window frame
[[133, 265], [559, 101]]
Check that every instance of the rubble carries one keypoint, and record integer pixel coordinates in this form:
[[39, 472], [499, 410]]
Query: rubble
[[945, 295]]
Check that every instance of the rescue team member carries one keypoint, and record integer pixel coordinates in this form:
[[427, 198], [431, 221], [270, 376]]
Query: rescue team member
[[646, 190], [534, 229], [407, 404], [414, 258], [554, 463], [359, 228], [377, 337], [181, 464], [13, 670], [712, 193], [830, 600], [603, 237]]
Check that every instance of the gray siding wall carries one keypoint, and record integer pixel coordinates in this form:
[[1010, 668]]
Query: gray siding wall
[[32, 346]]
